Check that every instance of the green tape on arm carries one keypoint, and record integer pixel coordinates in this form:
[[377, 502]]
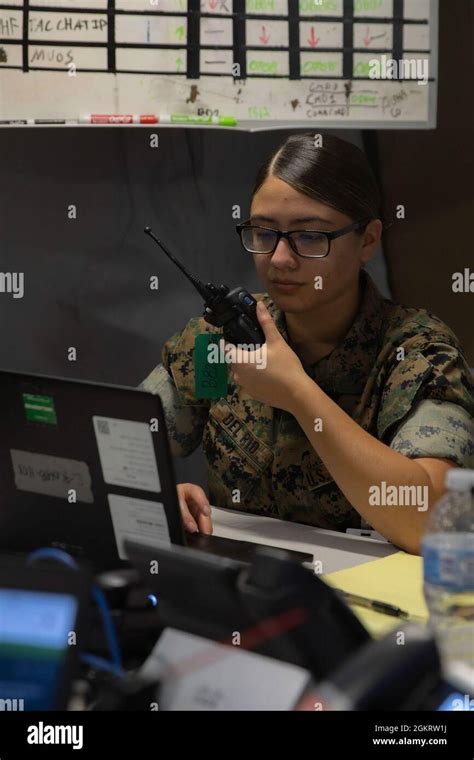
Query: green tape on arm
[[210, 376]]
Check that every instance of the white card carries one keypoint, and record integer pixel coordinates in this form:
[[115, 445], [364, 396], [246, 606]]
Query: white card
[[197, 674], [51, 476], [138, 520], [126, 453]]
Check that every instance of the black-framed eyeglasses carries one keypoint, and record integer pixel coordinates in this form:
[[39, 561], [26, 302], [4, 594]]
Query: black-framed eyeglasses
[[309, 244]]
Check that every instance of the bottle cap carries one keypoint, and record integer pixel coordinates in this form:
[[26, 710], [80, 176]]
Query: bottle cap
[[460, 479]]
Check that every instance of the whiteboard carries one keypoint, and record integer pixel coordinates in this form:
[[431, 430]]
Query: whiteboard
[[268, 63]]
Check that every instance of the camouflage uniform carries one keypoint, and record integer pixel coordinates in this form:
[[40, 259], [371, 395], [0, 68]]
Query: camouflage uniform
[[421, 405]]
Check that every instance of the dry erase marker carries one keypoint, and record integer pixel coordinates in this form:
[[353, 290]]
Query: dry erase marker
[[184, 118], [44, 122], [119, 118], [53, 121]]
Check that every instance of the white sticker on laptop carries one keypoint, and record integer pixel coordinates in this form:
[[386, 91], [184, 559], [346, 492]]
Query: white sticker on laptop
[[138, 520], [126, 453], [68, 479]]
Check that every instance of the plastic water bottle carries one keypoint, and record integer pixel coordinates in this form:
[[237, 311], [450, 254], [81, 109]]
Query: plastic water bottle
[[448, 554]]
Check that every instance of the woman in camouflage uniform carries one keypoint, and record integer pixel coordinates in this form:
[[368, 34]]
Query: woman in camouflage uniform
[[363, 404]]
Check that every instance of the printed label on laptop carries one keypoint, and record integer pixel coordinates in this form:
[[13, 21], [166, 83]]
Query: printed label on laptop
[[138, 520], [126, 452], [67, 479], [39, 408]]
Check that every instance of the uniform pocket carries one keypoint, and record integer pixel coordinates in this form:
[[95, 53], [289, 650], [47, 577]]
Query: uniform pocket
[[314, 473], [237, 459], [402, 392]]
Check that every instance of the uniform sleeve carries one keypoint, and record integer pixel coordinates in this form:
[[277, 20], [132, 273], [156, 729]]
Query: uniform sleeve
[[435, 371], [173, 381], [437, 429]]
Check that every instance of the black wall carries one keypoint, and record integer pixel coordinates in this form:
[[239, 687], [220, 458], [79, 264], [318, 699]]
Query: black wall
[[87, 279]]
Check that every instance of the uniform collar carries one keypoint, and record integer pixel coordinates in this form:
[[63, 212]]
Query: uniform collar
[[347, 367]]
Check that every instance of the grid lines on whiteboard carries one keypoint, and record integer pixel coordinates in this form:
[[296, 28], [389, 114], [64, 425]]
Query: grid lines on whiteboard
[[245, 39]]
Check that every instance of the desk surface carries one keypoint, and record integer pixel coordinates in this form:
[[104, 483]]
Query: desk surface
[[335, 551]]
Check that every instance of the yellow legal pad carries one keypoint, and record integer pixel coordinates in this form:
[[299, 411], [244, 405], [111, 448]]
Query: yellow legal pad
[[397, 580]]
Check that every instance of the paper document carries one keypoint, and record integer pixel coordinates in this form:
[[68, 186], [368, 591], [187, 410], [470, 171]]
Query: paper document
[[397, 580]]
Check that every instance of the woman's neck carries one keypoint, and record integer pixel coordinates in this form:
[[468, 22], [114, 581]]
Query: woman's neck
[[314, 334]]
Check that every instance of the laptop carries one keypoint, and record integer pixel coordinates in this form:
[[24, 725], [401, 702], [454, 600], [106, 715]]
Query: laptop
[[42, 614], [84, 466]]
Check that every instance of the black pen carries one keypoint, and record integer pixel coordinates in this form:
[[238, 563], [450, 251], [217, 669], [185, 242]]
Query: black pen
[[373, 604]]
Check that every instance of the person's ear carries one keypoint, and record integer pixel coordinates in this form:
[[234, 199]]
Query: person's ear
[[370, 240]]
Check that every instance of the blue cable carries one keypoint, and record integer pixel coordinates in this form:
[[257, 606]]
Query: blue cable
[[50, 553], [111, 635], [109, 627]]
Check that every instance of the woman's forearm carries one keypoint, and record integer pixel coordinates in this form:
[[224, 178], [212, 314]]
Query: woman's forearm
[[359, 462]]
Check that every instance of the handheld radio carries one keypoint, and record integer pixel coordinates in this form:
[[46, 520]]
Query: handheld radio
[[233, 310]]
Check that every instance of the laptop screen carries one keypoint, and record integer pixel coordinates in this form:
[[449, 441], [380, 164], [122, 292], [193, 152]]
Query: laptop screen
[[36, 630]]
